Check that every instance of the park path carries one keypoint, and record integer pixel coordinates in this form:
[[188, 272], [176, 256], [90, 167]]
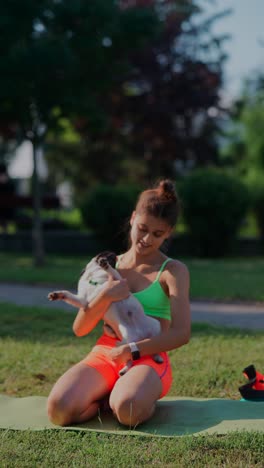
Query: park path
[[247, 316]]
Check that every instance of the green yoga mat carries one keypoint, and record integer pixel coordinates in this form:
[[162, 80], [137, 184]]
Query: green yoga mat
[[173, 417]]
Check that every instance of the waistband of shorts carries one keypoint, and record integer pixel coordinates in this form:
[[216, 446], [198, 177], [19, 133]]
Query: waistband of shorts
[[106, 340]]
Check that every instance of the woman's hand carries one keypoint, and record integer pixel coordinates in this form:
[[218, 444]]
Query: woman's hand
[[116, 290], [120, 354]]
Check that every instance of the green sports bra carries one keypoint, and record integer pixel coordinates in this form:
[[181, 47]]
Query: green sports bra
[[153, 298]]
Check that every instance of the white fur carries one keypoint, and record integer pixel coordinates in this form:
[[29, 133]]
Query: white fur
[[126, 318]]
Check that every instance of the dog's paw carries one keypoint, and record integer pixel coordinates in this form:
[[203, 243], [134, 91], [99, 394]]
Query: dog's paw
[[56, 296], [123, 371], [103, 263], [126, 367]]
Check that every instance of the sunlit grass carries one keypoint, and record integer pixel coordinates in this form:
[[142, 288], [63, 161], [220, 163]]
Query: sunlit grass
[[227, 279]]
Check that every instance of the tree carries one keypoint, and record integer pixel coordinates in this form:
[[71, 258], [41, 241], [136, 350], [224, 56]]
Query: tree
[[245, 144], [244, 147], [57, 57], [160, 117]]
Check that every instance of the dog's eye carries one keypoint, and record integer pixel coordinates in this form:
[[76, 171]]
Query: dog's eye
[[94, 283]]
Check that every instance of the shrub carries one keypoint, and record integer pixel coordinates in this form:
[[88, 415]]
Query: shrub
[[214, 205], [52, 220], [256, 188], [106, 210]]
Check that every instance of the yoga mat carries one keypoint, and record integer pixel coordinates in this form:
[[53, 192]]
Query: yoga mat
[[173, 417]]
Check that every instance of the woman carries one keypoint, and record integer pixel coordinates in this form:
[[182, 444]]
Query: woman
[[162, 286]]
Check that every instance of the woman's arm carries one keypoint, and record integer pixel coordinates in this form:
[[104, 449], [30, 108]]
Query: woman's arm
[[86, 319], [177, 281]]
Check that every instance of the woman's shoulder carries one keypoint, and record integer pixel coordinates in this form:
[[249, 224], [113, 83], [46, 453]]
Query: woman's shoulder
[[176, 277], [176, 267]]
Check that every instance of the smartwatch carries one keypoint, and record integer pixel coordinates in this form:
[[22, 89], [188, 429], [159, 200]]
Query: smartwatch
[[134, 351]]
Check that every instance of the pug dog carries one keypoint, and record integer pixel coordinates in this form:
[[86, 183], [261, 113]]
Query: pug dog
[[126, 318]]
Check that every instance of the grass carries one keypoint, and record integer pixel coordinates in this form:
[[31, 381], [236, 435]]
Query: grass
[[37, 345], [227, 279], [71, 449], [215, 279], [19, 268]]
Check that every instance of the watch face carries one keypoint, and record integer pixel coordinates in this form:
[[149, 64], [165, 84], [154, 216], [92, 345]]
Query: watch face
[[135, 355]]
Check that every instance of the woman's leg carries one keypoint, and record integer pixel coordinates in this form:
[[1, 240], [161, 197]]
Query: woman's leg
[[134, 395], [75, 396]]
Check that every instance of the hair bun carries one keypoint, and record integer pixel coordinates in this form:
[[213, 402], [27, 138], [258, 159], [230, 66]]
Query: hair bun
[[167, 189], [160, 201]]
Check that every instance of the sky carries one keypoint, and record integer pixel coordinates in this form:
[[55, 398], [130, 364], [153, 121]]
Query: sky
[[246, 46]]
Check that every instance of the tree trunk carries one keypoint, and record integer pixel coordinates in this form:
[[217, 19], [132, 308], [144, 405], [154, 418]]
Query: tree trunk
[[37, 232]]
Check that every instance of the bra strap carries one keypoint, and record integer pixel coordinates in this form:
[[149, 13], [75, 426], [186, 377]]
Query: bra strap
[[118, 260], [162, 268]]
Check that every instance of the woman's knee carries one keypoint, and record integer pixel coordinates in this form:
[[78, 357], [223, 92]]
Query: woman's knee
[[58, 411], [130, 411]]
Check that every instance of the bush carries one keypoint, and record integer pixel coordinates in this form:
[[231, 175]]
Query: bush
[[256, 187], [24, 222], [106, 210], [214, 205]]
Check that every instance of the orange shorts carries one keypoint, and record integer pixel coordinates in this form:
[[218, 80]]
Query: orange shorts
[[99, 360]]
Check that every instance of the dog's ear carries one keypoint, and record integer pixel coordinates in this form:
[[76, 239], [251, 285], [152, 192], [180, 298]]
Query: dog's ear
[[110, 256]]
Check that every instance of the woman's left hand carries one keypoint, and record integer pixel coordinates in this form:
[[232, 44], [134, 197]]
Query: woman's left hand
[[120, 354]]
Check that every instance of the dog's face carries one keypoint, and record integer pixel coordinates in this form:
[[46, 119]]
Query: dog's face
[[94, 276], [94, 272], [110, 257]]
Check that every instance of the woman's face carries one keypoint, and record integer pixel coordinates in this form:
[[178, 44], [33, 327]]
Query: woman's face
[[147, 232]]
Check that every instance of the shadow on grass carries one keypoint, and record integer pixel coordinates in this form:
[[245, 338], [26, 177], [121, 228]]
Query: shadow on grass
[[46, 325]]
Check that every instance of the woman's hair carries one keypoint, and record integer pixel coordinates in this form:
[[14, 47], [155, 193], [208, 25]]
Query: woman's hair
[[161, 202]]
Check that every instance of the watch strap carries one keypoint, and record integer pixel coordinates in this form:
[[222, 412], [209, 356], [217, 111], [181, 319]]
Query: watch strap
[[134, 351]]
